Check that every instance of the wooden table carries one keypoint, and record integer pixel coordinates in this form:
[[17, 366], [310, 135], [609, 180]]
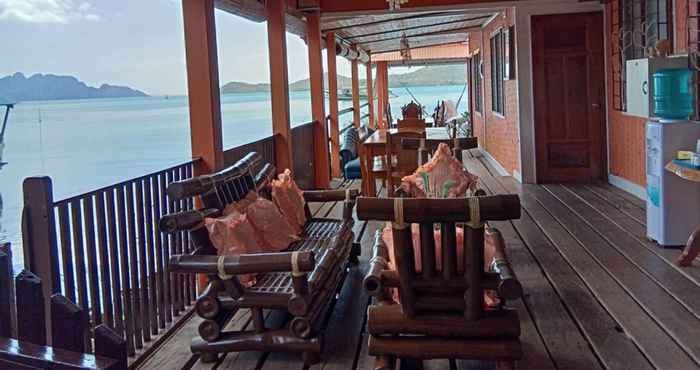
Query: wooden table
[[375, 145], [692, 248]]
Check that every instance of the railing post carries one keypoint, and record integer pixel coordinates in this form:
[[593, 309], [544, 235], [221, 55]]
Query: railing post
[[109, 344], [334, 124], [31, 319], [8, 322], [355, 93], [313, 38], [68, 324], [39, 237], [370, 92]]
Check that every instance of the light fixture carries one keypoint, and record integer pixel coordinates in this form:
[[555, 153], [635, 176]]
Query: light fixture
[[396, 4], [405, 49]]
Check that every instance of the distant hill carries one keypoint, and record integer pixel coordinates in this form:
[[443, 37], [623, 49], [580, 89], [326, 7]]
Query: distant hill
[[18, 87], [439, 75]]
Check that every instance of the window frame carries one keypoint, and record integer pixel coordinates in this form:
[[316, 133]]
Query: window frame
[[478, 76], [628, 20], [498, 71]]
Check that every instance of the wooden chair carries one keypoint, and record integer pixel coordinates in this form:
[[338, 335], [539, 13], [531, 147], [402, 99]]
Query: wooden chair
[[412, 110], [442, 312], [302, 281], [411, 124], [397, 162], [427, 147]]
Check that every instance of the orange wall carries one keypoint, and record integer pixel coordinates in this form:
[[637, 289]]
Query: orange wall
[[497, 135], [626, 133]]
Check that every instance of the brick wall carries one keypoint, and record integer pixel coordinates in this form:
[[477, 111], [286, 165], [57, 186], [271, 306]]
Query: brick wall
[[497, 134]]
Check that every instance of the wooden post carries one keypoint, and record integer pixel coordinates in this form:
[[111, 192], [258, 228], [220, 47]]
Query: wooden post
[[31, 319], [203, 85], [68, 324], [333, 104], [318, 110], [355, 93], [370, 93], [382, 93], [8, 327], [109, 344], [39, 238], [279, 83]]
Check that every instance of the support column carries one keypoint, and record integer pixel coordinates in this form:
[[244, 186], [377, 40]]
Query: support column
[[382, 93], [318, 110], [355, 93], [203, 85], [370, 94], [279, 85], [333, 105]]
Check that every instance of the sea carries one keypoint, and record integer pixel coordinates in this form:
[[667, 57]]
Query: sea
[[86, 144]]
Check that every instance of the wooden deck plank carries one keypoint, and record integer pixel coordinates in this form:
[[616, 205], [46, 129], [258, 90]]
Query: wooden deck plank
[[632, 227], [614, 196], [674, 319], [650, 337], [175, 352], [611, 345], [665, 273]]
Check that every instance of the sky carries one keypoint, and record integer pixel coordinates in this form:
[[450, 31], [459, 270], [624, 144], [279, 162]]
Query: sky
[[137, 43]]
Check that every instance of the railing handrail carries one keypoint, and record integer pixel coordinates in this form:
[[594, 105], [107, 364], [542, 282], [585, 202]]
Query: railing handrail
[[122, 183]]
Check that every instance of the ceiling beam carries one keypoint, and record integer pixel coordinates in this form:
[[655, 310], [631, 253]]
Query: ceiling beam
[[433, 33], [374, 23], [360, 6], [355, 37]]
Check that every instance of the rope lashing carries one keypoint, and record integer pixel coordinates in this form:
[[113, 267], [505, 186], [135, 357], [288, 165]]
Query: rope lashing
[[399, 222], [296, 271], [379, 260], [220, 267], [474, 213], [348, 196]]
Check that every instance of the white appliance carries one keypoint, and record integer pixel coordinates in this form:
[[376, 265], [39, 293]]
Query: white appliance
[[638, 84], [673, 204]]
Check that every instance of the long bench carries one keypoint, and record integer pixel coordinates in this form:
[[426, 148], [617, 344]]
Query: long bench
[[302, 281]]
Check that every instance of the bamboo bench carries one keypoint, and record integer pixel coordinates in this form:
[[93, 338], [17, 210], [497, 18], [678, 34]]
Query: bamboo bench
[[302, 281], [441, 313]]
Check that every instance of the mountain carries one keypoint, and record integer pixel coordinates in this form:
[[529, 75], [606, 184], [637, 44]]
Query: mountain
[[18, 87], [438, 75]]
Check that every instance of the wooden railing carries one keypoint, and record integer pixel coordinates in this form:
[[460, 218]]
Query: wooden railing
[[24, 333], [103, 251], [351, 110]]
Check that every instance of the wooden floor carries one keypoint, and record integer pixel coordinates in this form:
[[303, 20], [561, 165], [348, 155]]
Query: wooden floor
[[598, 295]]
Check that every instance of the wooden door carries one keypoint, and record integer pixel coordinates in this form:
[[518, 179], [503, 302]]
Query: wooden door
[[569, 88]]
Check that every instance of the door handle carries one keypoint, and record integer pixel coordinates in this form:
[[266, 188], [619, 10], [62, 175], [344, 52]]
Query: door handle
[[645, 87], [595, 106]]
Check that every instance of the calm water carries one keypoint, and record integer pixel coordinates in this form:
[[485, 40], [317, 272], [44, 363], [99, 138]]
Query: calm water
[[87, 144]]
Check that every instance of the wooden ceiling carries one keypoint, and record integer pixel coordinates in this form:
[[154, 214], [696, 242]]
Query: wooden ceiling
[[380, 33]]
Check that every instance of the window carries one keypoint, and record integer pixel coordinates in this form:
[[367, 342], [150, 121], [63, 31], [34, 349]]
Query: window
[[477, 76], [498, 68], [637, 26]]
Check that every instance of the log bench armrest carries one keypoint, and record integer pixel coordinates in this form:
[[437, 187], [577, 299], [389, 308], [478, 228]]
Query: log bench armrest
[[509, 286], [313, 196], [348, 197], [245, 263]]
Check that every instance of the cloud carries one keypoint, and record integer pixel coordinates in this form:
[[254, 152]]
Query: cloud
[[47, 11]]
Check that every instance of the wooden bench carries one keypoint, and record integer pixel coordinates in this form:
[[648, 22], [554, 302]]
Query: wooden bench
[[302, 281], [442, 311]]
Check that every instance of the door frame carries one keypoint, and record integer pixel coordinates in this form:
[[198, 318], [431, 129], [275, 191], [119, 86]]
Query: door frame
[[604, 147], [525, 96]]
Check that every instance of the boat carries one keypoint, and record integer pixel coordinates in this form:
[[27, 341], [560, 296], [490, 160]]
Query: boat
[[7, 104]]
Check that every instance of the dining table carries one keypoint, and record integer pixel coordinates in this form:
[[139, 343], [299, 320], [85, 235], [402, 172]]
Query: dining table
[[375, 145], [688, 172]]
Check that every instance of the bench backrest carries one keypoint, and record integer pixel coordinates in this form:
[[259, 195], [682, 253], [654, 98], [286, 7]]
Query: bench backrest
[[216, 191], [227, 186], [444, 289]]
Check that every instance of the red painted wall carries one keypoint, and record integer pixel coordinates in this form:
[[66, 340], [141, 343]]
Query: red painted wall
[[497, 134]]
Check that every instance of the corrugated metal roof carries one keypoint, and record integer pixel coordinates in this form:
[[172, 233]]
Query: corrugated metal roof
[[453, 52], [381, 33]]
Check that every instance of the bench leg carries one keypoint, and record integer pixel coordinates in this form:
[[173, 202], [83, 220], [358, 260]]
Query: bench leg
[[505, 365], [209, 357], [355, 253], [311, 358], [385, 363]]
